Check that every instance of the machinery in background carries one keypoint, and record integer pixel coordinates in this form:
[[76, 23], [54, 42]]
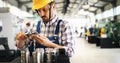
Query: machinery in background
[[113, 32], [9, 51], [7, 54], [107, 35]]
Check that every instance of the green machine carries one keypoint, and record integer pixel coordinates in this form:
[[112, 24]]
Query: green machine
[[98, 26], [113, 32]]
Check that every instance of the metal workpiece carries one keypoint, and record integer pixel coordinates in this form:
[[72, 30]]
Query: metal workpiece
[[45, 55], [50, 55], [38, 55], [25, 58], [35, 60]]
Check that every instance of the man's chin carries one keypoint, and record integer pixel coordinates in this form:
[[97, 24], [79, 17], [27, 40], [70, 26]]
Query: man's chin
[[45, 20]]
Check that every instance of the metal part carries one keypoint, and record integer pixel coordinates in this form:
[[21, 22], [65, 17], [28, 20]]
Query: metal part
[[38, 55], [50, 53], [25, 58]]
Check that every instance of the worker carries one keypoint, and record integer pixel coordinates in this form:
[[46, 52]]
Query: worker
[[54, 32]]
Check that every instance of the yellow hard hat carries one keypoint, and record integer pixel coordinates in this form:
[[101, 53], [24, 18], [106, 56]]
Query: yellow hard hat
[[40, 3]]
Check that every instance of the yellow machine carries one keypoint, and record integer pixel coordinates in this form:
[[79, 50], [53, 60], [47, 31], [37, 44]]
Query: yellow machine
[[88, 32], [102, 31]]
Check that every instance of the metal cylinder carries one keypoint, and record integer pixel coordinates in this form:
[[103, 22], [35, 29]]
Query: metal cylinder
[[38, 55], [34, 54], [50, 53], [24, 56]]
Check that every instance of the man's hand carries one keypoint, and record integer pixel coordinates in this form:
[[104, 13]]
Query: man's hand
[[21, 38], [45, 41]]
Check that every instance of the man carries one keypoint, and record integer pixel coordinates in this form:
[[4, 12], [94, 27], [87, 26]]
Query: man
[[46, 9]]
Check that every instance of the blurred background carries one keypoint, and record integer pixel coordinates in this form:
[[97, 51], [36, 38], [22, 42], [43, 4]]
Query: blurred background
[[96, 24]]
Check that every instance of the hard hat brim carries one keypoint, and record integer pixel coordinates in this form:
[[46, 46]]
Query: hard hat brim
[[37, 7], [41, 4]]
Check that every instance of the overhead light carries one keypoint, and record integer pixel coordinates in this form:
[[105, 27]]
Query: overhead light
[[95, 1], [92, 8], [85, 6], [83, 12]]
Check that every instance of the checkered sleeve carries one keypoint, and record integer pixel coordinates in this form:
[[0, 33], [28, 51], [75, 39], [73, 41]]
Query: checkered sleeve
[[68, 38]]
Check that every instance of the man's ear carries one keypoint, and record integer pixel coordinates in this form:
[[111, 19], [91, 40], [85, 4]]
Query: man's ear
[[53, 6]]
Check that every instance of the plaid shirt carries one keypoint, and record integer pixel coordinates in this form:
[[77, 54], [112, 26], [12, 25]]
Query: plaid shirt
[[65, 33]]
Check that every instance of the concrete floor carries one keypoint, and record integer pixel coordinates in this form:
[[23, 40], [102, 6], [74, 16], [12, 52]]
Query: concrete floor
[[89, 53]]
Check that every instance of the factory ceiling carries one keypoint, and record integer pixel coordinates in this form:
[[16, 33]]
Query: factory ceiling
[[65, 7]]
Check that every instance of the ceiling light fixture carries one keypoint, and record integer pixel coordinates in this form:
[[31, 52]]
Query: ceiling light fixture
[[86, 5]]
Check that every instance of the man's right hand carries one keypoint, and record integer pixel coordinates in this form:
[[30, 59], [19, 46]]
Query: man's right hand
[[21, 38]]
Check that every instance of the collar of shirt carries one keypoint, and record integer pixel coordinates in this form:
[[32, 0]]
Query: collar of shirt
[[52, 21]]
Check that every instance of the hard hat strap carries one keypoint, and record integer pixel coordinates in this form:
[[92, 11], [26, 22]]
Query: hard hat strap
[[50, 10], [37, 12]]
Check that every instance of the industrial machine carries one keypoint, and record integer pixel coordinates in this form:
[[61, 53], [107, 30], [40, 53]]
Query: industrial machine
[[113, 32], [8, 50]]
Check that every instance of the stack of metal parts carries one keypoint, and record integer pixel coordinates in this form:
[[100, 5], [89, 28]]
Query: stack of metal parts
[[48, 55]]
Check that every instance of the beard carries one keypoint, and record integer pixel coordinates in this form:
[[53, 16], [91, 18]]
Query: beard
[[45, 19]]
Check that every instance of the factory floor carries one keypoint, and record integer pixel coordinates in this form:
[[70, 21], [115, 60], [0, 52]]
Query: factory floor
[[89, 53]]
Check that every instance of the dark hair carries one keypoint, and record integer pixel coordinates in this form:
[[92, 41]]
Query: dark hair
[[52, 2]]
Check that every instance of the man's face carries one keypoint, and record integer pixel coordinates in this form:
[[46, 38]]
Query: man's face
[[44, 13]]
